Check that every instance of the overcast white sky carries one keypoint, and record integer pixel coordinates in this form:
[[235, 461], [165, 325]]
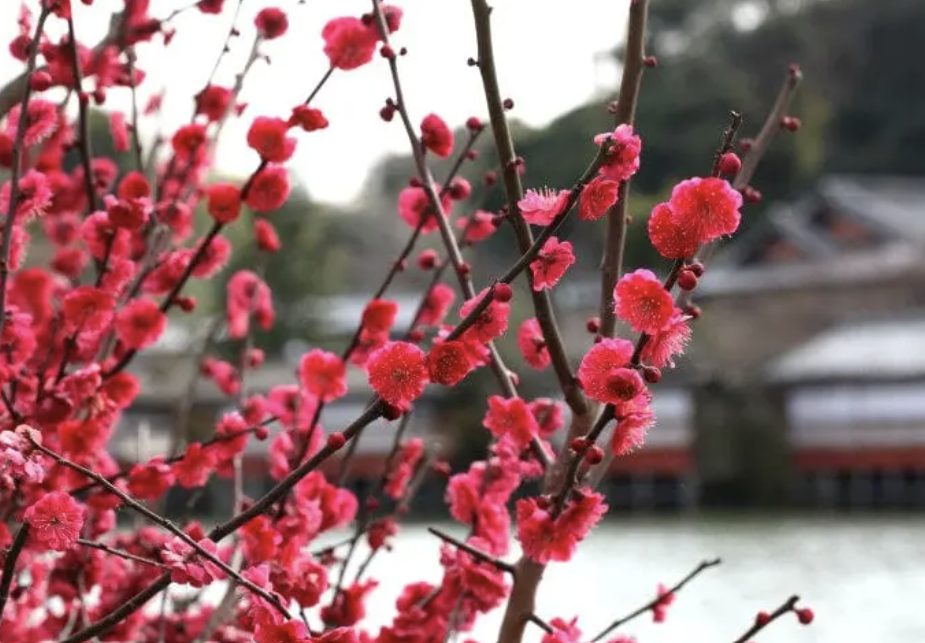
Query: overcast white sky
[[549, 57]]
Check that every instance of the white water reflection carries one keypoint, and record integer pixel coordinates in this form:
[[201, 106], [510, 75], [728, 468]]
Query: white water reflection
[[864, 578]]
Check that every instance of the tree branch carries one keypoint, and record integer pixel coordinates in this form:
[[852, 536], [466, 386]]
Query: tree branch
[[703, 566], [84, 145], [767, 134], [17, 156], [10, 93], [788, 606], [504, 144], [9, 564], [612, 261], [472, 551], [139, 508], [92, 544]]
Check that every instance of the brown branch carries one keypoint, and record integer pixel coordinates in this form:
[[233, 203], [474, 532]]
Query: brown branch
[[703, 566], [527, 257], [137, 601], [17, 156], [179, 428], [788, 606], [139, 508], [122, 612], [137, 151], [474, 552], [574, 459], [10, 93], [226, 46], [171, 297], [612, 261], [769, 131], [120, 553], [224, 437], [501, 372], [83, 142], [9, 564], [522, 601], [543, 625], [372, 412], [504, 145], [395, 268]]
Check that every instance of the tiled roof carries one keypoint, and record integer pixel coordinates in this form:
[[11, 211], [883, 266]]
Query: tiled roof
[[888, 349]]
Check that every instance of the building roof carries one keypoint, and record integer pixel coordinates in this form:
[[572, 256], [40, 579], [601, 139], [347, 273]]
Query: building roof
[[882, 216], [874, 350]]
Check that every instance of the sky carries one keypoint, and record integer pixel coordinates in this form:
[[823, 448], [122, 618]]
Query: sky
[[550, 55]]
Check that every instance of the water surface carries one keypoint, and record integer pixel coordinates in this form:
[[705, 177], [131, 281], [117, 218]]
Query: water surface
[[864, 578]]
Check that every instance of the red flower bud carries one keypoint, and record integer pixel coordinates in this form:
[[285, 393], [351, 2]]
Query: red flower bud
[[594, 455], [186, 304], [687, 280], [805, 615], [730, 164], [392, 413], [751, 195], [40, 80], [651, 374], [790, 123], [427, 259], [503, 293]]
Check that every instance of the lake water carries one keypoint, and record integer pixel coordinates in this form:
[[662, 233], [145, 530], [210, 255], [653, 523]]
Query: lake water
[[864, 578]]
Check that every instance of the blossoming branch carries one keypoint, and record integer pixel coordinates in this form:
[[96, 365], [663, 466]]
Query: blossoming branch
[[124, 249]]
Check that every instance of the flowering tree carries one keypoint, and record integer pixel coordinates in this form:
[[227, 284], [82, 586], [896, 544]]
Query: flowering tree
[[124, 250]]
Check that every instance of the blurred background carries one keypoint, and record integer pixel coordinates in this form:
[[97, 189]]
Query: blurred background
[[791, 438]]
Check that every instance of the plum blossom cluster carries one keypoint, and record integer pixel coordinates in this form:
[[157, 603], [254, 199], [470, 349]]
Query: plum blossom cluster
[[118, 246]]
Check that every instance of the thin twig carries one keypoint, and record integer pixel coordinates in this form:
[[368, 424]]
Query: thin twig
[[769, 131], [474, 552], [120, 553], [10, 93], [574, 460], [527, 257], [180, 426], [703, 566], [615, 241], [427, 183], [83, 142], [788, 606], [136, 506], [543, 625], [9, 564], [224, 437], [122, 612], [137, 151], [372, 413], [16, 164], [504, 144]]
